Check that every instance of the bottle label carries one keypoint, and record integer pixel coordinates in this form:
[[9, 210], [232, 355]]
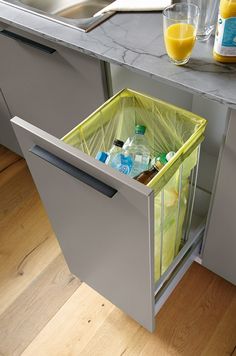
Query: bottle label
[[125, 164], [225, 40], [141, 159]]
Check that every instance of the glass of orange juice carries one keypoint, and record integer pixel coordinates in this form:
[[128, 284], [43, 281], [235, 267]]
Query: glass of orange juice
[[180, 23]]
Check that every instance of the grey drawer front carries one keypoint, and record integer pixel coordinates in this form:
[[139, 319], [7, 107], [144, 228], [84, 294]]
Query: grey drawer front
[[107, 241]]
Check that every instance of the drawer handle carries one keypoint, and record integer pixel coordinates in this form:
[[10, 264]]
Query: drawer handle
[[28, 42], [73, 171]]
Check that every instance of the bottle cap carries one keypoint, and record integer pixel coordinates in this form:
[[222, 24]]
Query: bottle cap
[[170, 155], [162, 158], [102, 156], [118, 143], [157, 166], [140, 129]]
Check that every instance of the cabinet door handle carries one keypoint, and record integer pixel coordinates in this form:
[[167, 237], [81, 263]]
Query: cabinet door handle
[[73, 171], [27, 41]]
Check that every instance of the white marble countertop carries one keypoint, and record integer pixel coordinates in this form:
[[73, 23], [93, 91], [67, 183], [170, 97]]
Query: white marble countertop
[[135, 41]]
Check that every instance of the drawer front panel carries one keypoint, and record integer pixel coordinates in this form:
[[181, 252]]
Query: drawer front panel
[[7, 136], [54, 87], [107, 240]]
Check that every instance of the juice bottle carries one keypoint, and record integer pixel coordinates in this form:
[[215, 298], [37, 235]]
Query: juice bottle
[[225, 39]]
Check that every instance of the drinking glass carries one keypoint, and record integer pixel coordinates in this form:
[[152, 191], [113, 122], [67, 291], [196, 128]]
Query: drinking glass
[[180, 23], [208, 17]]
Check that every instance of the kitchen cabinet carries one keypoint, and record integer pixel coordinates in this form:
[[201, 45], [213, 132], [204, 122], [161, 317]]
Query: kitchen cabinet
[[7, 135], [129, 288], [104, 222], [94, 251], [220, 246], [49, 85]]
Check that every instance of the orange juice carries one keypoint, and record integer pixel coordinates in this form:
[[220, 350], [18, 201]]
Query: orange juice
[[179, 40], [225, 39]]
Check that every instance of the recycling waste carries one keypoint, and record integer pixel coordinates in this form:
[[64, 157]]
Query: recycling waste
[[157, 144], [133, 157]]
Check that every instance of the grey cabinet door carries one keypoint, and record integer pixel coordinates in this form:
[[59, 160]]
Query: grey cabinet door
[[220, 246], [102, 218], [7, 135], [49, 85]]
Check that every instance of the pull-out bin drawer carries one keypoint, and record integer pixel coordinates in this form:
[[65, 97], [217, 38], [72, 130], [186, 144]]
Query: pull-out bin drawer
[[130, 242]]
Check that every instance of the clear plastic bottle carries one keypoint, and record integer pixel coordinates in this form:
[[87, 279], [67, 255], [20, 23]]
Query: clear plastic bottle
[[123, 163], [116, 149], [119, 159], [138, 150]]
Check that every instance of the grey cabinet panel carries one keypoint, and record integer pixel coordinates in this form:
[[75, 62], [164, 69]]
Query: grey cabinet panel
[[104, 222], [7, 135], [107, 242], [220, 246], [53, 90]]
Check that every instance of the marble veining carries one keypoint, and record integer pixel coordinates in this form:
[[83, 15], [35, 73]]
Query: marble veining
[[135, 41]]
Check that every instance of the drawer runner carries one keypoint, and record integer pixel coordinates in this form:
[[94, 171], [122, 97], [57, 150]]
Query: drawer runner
[[180, 265]]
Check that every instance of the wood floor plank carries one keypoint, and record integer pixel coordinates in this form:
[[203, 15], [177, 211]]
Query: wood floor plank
[[223, 341], [184, 326], [35, 306], [7, 158], [115, 336], [73, 326], [190, 314], [189, 318], [27, 243]]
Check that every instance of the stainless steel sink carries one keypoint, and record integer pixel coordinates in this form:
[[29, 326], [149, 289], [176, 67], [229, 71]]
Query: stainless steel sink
[[74, 13]]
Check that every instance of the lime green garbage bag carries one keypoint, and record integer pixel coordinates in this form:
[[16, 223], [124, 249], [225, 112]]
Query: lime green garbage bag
[[170, 206], [168, 128]]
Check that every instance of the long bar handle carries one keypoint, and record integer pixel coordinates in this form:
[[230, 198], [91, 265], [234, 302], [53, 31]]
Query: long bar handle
[[27, 41], [73, 171]]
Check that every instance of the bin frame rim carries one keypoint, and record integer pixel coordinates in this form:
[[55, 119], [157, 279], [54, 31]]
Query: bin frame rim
[[182, 153]]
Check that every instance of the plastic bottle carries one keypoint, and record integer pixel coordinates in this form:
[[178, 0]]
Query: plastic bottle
[[124, 163], [138, 150], [162, 159], [225, 38], [146, 176], [119, 159], [116, 148]]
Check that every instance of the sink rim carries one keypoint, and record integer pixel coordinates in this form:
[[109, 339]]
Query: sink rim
[[81, 24]]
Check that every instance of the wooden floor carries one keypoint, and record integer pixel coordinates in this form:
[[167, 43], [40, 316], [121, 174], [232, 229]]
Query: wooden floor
[[45, 311]]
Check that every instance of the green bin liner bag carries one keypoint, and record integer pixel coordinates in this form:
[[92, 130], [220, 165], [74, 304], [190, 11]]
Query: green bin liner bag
[[168, 128]]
